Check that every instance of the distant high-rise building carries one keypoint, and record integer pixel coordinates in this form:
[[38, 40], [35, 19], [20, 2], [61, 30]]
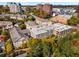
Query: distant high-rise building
[[77, 9], [45, 7], [15, 7]]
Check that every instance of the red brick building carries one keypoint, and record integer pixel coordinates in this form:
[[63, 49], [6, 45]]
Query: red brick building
[[39, 6], [45, 7]]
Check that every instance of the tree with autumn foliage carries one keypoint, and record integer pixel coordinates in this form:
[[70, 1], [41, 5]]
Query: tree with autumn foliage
[[74, 20], [42, 47], [9, 46], [53, 46], [5, 34], [41, 14]]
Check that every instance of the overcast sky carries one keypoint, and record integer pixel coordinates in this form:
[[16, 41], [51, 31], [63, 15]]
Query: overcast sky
[[54, 3]]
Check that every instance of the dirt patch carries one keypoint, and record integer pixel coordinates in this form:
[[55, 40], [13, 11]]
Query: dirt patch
[[75, 42]]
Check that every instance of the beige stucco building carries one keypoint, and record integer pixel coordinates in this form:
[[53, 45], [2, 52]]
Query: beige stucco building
[[59, 19]]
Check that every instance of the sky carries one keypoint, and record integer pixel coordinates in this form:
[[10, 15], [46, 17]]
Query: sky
[[54, 3]]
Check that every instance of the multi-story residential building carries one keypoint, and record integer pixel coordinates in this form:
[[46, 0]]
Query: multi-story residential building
[[63, 11], [15, 36], [6, 24], [15, 7], [39, 6], [45, 7], [30, 24], [77, 8], [61, 29], [40, 31], [57, 29], [18, 36], [18, 16], [59, 19], [13, 16]]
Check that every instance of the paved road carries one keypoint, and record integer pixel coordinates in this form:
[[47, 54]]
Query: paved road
[[22, 55]]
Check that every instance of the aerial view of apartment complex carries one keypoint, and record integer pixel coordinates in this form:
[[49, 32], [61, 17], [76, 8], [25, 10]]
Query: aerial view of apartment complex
[[34, 29]]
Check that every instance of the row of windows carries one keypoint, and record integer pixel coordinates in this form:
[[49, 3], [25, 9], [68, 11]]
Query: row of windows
[[64, 32]]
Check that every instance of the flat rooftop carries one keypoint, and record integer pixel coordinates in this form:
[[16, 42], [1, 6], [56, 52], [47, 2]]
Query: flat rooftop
[[31, 23], [4, 23], [43, 29], [60, 27]]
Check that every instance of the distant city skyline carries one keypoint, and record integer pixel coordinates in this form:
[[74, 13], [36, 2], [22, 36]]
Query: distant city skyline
[[35, 3]]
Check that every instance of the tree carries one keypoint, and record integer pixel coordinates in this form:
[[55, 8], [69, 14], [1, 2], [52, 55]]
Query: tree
[[21, 21], [31, 18], [7, 18], [1, 50], [22, 26], [9, 46], [23, 45], [0, 31], [35, 46], [26, 19], [54, 46], [41, 14], [47, 50], [5, 34], [65, 45], [37, 50], [2, 18], [41, 47], [76, 36], [14, 21], [74, 20]]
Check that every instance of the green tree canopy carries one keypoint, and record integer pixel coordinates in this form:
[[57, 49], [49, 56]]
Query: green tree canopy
[[74, 20], [22, 26], [9, 46]]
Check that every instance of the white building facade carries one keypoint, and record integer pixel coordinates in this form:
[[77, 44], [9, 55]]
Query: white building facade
[[14, 7]]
